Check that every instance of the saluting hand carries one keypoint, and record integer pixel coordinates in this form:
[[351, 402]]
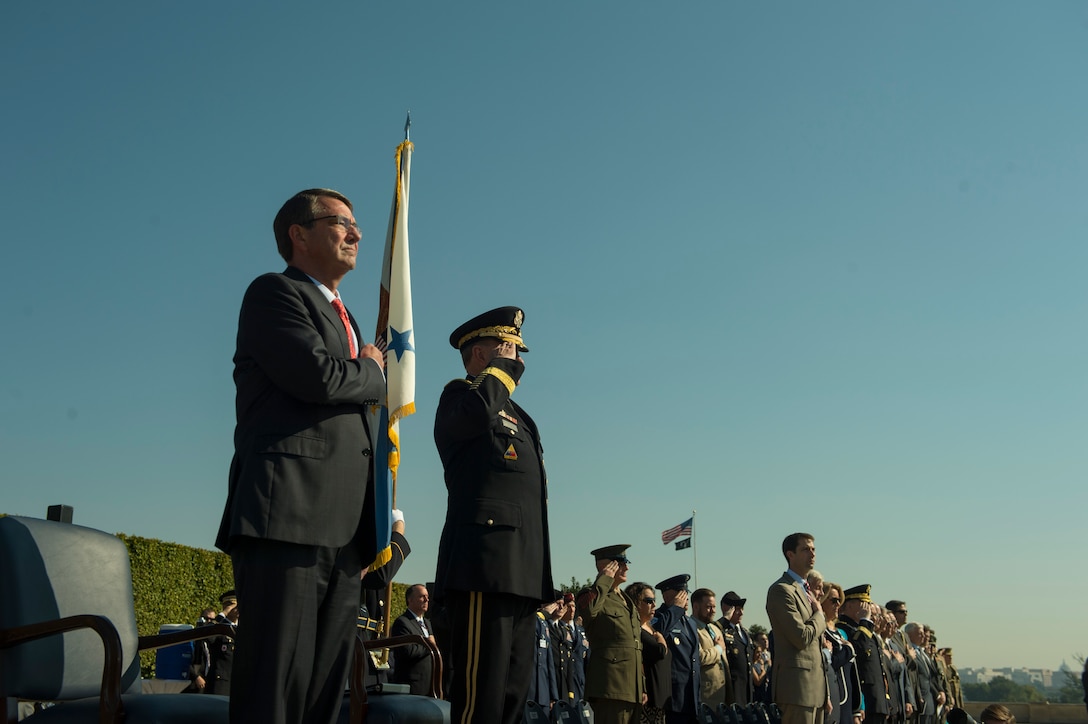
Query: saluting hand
[[505, 350]]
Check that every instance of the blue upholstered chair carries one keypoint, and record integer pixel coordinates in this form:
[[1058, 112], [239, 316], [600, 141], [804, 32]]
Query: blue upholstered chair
[[68, 630], [68, 635]]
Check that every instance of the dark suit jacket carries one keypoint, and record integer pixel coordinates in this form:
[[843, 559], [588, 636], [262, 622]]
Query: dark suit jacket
[[306, 421], [495, 539], [412, 664]]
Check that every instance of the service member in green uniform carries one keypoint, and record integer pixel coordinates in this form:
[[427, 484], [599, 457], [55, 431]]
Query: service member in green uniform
[[614, 678]]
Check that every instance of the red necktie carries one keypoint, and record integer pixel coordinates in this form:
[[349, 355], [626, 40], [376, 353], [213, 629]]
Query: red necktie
[[339, 307]]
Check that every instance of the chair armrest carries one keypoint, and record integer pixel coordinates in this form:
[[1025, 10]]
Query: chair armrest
[[416, 640], [109, 702], [158, 641], [357, 681]]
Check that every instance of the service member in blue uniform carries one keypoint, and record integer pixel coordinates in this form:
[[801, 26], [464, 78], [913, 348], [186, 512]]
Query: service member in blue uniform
[[682, 638], [571, 647], [544, 684], [494, 559]]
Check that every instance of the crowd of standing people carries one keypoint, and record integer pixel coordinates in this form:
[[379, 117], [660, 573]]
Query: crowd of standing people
[[299, 525]]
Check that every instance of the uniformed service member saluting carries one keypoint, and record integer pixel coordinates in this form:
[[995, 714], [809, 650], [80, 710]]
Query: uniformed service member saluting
[[494, 562], [614, 677], [682, 638]]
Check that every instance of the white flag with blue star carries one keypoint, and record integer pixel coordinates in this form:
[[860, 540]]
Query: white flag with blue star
[[396, 299], [395, 337]]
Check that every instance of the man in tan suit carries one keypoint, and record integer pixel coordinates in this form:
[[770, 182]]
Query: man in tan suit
[[717, 684], [799, 684]]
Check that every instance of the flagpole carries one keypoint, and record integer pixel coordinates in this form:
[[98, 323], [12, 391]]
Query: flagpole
[[395, 308], [694, 557]]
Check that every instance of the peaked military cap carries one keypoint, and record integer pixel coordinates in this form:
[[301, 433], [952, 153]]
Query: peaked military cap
[[858, 593], [676, 583], [616, 553], [503, 323], [228, 597], [733, 599]]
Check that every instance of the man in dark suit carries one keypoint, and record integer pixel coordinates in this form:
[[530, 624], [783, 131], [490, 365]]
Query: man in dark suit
[[931, 696], [682, 637], [494, 559], [298, 522], [799, 684], [412, 664]]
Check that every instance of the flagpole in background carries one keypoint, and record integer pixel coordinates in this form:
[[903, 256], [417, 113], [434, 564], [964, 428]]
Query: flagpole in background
[[694, 556], [394, 334]]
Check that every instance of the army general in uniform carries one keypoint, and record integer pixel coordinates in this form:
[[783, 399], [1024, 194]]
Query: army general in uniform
[[494, 562], [614, 677]]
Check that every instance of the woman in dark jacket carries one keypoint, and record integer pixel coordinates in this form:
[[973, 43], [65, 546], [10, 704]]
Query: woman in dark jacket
[[656, 659]]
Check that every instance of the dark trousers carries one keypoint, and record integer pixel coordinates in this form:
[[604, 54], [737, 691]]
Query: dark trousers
[[492, 655], [298, 606]]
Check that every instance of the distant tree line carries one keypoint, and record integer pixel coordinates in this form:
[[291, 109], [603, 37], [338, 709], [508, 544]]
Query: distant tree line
[[1069, 691]]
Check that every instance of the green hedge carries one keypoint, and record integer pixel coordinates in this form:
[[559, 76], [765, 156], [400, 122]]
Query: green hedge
[[172, 583]]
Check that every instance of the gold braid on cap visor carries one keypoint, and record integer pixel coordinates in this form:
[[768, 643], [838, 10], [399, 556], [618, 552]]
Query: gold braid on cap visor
[[506, 334]]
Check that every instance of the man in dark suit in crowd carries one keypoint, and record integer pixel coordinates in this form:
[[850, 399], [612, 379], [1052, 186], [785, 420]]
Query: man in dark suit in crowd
[[299, 518], [930, 697], [412, 664], [682, 637], [494, 559]]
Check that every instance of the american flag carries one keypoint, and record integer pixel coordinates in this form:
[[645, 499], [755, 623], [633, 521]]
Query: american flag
[[677, 531]]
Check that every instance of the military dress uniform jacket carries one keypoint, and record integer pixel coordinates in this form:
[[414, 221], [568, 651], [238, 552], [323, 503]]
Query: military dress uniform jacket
[[221, 661], [683, 641], [614, 667], [374, 586], [544, 687], [868, 657], [739, 650], [571, 649], [495, 538]]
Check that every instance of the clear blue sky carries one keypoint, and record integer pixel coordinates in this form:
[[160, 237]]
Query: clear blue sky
[[814, 266]]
